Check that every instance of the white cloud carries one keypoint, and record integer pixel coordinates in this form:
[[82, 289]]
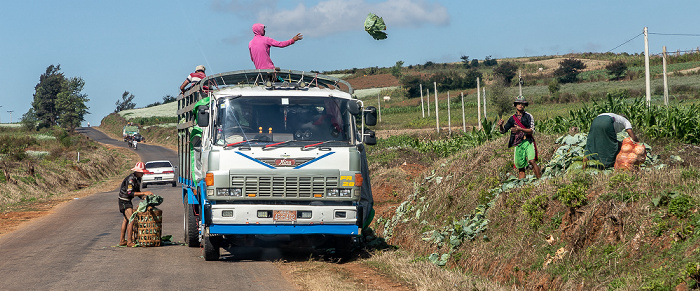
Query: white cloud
[[328, 17]]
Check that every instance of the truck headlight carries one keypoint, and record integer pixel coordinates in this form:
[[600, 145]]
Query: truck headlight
[[332, 193], [345, 192], [223, 192]]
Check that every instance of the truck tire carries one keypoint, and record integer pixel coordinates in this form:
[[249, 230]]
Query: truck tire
[[211, 249], [190, 224], [174, 184], [144, 186]]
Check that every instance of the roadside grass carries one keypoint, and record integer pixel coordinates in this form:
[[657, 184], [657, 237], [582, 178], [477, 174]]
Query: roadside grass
[[42, 166], [423, 275]]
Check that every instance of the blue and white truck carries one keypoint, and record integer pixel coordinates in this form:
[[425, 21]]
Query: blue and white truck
[[273, 153]]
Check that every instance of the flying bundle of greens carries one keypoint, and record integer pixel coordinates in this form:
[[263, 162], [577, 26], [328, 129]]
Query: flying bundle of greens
[[374, 26]]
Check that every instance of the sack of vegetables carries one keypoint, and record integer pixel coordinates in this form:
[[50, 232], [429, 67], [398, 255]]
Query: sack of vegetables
[[631, 154]]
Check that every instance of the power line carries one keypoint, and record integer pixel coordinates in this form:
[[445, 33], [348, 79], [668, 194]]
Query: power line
[[631, 39], [674, 34]]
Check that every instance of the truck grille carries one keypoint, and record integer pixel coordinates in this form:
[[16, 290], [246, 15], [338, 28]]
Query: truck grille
[[283, 187]]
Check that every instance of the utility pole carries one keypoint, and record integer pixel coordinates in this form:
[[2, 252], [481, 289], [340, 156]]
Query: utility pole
[[449, 115], [484, 103], [422, 107], [427, 94], [665, 79], [379, 107], [520, 82], [464, 121], [437, 120], [646, 65], [478, 103]]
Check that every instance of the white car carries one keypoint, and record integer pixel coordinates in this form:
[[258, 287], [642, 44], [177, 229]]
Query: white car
[[158, 172]]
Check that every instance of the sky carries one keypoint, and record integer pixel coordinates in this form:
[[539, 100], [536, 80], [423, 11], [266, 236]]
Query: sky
[[149, 47]]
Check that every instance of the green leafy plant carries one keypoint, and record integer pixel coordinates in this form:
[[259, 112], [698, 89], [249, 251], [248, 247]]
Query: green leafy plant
[[572, 195], [680, 205], [534, 209]]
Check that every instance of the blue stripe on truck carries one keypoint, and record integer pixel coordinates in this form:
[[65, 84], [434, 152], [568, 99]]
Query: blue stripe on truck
[[332, 229]]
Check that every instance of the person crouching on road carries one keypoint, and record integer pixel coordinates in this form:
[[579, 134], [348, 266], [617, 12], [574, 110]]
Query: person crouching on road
[[522, 127], [130, 187]]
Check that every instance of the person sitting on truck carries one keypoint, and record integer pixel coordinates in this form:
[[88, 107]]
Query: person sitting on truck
[[259, 47], [194, 78], [130, 187]]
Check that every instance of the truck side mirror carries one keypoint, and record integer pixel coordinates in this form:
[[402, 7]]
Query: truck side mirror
[[371, 116], [203, 116], [369, 138], [354, 107]]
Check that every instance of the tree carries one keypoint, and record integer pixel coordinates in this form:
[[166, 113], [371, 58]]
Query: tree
[[396, 69], [553, 87], [489, 62], [465, 62], [500, 96], [29, 120], [412, 85], [169, 98], [125, 103], [70, 103], [506, 71], [45, 95], [617, 69], [568, 70], [475, 63]]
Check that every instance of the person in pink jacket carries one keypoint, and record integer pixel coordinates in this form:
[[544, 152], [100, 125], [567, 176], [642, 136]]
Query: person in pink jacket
[[260, 45]]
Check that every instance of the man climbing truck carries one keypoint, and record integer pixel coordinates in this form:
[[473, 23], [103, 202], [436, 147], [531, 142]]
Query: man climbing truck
[[267, 153]]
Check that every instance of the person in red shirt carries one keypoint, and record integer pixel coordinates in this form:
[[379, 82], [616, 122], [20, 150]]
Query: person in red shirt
[[194, 78]]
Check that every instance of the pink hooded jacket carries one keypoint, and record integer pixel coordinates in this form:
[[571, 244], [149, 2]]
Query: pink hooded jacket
[[259, 47]]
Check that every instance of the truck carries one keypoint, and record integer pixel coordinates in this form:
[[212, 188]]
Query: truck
[[274, 155]]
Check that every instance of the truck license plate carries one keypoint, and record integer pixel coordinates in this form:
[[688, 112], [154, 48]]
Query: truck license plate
[[284, 215]]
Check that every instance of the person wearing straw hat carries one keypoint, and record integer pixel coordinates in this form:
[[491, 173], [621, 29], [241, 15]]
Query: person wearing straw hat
[[522, 127], [194, 78], [130, 187]]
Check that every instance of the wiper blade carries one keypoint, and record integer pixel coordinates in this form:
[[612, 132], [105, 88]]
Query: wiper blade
[[318, 144], [240, 142], [277, 144]]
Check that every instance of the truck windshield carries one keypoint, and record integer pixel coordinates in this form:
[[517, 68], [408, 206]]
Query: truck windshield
[[263, 120]]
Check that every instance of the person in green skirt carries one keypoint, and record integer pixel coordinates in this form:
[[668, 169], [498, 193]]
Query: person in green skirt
[[602, 144], [522, 127]]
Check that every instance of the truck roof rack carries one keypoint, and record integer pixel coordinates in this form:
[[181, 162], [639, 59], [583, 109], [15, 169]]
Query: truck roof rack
[[271, 78]]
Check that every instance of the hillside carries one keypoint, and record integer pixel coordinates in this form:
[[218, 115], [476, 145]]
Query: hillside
[[450, 198]]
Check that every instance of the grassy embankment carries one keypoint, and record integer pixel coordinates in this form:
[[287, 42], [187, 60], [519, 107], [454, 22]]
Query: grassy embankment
[[40, 167]]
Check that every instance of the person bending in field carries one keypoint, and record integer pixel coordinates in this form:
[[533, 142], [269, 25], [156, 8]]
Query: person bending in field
[[522, 126], [259, 47], [602, 144], [130, 187]]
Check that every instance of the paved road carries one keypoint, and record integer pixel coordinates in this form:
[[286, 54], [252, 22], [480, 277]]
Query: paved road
[[74, 248]]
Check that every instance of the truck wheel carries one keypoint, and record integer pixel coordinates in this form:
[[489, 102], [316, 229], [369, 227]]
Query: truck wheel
[[211, 250], [144, 186], [174, 184], [191, 231]]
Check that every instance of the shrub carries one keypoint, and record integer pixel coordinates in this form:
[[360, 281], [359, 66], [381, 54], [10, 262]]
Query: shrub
[[572, 195], [680, 206], [534, 209]]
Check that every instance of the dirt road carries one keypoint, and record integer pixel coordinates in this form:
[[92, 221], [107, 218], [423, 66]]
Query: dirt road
[[74, 248]]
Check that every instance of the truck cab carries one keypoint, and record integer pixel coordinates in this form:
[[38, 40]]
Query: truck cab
[[276, 153]]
